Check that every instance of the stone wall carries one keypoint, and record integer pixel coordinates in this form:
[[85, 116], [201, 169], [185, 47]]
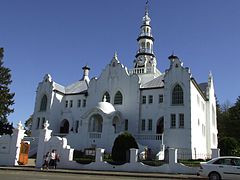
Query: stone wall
[[10, 147]]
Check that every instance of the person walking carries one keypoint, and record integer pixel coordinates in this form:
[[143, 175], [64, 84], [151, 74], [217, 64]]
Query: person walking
[[46, 161], [52, 162]]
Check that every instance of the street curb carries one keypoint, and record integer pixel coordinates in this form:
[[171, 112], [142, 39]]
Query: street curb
[[107, 173]]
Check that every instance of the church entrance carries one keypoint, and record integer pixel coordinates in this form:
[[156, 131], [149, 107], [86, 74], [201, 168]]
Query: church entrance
[[64, 128], [160, 126]]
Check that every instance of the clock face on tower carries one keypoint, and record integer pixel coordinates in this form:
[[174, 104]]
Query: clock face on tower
[[140, 61]]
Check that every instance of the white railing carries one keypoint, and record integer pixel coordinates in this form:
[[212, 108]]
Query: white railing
[[145, 34], [95, 135], [141, 70], [137, 71], [157, 137]]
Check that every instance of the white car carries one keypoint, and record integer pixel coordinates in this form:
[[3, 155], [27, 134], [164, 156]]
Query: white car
[[226, 167]]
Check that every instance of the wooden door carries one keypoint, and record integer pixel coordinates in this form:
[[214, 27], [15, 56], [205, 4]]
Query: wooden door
[[23, 156]]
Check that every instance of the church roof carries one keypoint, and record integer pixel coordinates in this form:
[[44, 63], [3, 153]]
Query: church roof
[[77, 87], [158, 82], [203, 87], [59, 87]]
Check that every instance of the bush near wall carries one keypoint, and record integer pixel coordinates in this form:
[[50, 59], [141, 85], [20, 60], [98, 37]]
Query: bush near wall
[[122, 144]]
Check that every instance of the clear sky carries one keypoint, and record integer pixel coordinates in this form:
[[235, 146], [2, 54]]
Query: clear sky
[[59, 37]]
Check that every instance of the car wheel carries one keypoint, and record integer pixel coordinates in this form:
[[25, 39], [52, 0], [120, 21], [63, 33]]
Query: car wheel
[[214, 176]]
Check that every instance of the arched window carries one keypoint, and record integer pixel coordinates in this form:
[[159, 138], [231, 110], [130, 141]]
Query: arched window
[[148, 45], [177, 95], [107, 96], [95, 123], [43, 106], [118, 99]]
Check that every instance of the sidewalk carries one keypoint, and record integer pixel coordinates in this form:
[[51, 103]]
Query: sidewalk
[[104, 173]]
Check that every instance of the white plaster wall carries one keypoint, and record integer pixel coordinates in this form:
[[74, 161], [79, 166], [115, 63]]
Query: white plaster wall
[[198, 116], [212, 120], [179, 138], [10, 147]]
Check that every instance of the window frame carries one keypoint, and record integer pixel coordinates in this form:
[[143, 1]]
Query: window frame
[[143, 125], [144, 99], [118, 98], [181, 120], [173, 121], [150, 99], [177, 95]]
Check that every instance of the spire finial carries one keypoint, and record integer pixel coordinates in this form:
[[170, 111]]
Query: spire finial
[[146, 7], [115, 55]]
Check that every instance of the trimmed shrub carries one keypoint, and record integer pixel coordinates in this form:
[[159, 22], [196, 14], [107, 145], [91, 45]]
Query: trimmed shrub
[[121, 146]]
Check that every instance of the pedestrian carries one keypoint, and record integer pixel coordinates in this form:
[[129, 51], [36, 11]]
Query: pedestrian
[[52, 159], [57, 159], [46, 161]]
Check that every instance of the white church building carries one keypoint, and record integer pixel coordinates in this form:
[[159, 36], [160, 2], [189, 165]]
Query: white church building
[[160, 109]]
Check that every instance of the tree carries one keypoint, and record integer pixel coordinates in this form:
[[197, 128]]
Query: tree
[[6, 98], [28, 126], [229, 146], [121, 147]]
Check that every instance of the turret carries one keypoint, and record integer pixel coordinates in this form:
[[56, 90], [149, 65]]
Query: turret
[[86, 70], [145, 61]]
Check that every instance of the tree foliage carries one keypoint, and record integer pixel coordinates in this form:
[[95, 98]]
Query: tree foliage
[[6, 97], [229, 127], [28, 126], [121, 147]]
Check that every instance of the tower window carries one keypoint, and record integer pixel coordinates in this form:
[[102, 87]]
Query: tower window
[[66, 104], [143, 45], [148, 45], [118, 98], [71, 103], [43, 122], [38, 123], [177, 95], [43, 106]]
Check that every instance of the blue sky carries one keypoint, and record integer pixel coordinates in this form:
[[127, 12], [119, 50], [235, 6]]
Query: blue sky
[[59, 37]]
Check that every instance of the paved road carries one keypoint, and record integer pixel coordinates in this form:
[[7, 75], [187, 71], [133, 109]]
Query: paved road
[[32, 175]]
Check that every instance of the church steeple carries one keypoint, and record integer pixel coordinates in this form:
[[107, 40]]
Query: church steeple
[[145, 57]]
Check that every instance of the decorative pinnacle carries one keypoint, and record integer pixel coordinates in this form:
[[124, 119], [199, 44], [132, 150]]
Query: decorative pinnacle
[[19, 125], [115, 55], [104, 98], [46, 125]]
